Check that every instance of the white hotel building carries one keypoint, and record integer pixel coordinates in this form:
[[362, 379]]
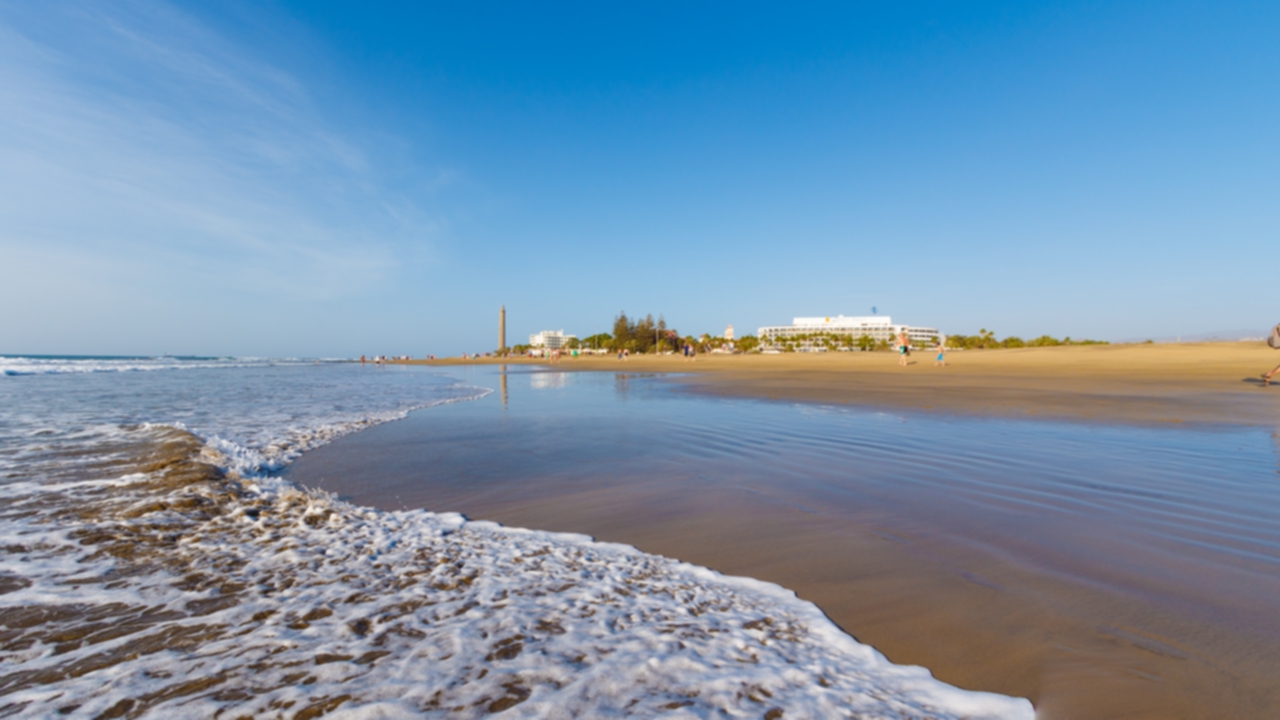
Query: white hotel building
[[802, 329], [550, 339]]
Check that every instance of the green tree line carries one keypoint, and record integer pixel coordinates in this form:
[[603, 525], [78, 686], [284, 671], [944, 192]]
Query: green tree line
[[985, 339], [833, 341], [642, 336], [646, 335]]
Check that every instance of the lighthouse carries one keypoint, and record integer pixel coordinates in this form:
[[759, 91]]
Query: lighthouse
[[502, 329]]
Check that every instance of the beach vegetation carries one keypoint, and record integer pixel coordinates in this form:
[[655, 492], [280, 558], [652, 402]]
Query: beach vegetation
[[643, 336], [986, 339], [647, 335], [846, 342]]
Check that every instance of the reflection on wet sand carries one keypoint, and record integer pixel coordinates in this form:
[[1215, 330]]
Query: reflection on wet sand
[[1103, 572]]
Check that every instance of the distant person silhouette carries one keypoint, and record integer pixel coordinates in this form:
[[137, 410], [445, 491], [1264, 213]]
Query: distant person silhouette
[[1273, 341]]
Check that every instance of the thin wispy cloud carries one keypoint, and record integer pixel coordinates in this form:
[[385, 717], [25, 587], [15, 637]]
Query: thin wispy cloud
[[136, 134]]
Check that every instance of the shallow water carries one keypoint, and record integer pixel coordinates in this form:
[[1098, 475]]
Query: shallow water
[[153, 564], [1105, 571]]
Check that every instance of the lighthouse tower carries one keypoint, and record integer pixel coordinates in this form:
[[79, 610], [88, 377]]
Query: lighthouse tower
[[502, 329]]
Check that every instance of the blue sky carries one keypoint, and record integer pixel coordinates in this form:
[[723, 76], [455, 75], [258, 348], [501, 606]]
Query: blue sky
[[334, 179]]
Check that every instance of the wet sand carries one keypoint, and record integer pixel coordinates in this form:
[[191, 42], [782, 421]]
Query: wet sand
[[1156, 383]]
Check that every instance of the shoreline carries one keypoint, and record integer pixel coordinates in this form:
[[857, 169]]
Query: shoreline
[[1201, 383]]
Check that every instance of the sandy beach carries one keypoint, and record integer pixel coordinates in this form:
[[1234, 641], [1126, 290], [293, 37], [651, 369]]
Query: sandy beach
[[1139, 383]]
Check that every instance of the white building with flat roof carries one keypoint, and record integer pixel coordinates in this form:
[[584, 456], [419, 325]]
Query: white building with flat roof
[[810, 334], [550, 339]]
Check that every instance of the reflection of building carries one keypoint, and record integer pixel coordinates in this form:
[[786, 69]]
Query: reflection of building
[[728, 333], [547, 380], [550, 339], [804, 331]]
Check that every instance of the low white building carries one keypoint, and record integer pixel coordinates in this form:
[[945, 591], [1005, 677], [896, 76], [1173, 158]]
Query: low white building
[[550, 339], [809, 334]]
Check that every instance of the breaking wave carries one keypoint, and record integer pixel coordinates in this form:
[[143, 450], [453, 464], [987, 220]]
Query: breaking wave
[[61, 365]]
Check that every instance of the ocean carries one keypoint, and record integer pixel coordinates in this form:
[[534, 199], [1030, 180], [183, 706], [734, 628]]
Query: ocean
[[157, 561]]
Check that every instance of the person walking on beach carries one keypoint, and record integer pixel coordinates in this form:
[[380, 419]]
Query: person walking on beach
[[1274, 342], [902, 348], [942, 355]]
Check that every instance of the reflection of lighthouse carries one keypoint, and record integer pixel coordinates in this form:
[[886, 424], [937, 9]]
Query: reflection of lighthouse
[[504, 386], [502, 329]]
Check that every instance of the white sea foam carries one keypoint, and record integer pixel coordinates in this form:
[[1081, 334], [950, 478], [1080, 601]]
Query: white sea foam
[[131, 594], [412, 613], [24, 365]]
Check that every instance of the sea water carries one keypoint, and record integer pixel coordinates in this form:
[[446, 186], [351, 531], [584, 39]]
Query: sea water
[[154, 563], [1112, 569]]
